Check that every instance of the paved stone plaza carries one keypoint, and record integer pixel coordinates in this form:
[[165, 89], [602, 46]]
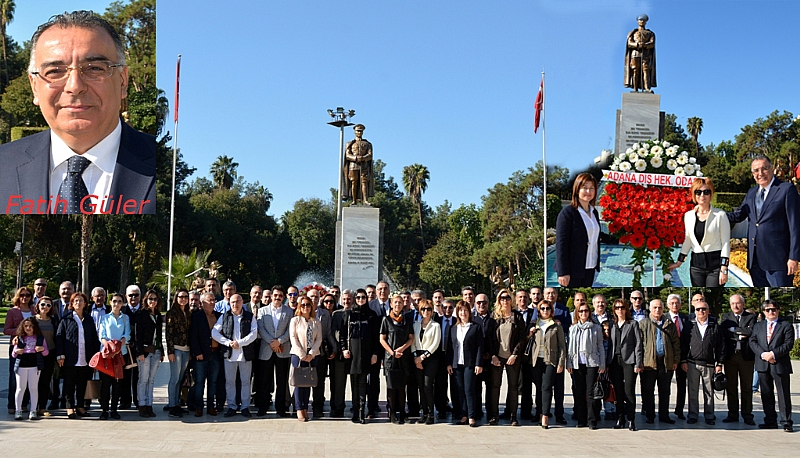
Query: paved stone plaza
[[271, 436]]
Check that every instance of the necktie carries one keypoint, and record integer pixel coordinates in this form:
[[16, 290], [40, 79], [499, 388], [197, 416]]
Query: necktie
[[760, 201], [770, 329], [73, 188], [678, 324], [445, 328]]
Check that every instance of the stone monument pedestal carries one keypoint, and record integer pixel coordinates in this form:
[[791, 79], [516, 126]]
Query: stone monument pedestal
[[640, 119], [359, 248]]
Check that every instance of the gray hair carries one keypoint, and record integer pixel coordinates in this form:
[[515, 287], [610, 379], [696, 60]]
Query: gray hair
[[761, 157], [741, 298], [674, 296], [419, 292], [229, 283], [132, 288], [600, 296], [208, 295], [96, 289], [349, 292], [83, 19]]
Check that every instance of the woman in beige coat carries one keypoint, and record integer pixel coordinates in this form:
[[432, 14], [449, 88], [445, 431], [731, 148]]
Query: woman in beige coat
[[305, 334]]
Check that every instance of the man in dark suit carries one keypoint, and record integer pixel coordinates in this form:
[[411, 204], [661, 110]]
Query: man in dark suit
[[773, 233], [381, 306], [90, 161], [681, 321], [443, 379], [529, 314], [771, 341], [65, 290], [129, 393], [483, 318], [561, 315], [737, 326]]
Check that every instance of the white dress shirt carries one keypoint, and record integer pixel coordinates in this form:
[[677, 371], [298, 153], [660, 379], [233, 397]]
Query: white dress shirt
[[236, 353], [81, 342], [97, 176], [593, 232]]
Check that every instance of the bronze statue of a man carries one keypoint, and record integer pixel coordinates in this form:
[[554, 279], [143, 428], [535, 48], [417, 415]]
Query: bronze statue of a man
[[640, 58], [358, 177]]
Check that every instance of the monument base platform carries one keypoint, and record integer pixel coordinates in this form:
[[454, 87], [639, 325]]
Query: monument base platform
[[640, 119], [359, 248]]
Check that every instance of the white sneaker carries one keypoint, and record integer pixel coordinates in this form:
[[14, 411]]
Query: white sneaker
[[33, 415], [18, 415]]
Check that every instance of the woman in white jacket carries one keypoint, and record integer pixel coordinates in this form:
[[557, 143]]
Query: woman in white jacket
[[427, 337], [708, 236], [586, 357]]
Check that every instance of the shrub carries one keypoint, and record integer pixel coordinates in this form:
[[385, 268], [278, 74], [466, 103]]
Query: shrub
[[795, 352]]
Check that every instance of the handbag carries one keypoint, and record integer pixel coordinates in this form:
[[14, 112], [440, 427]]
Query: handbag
[[92, 390], [130, 361], [104, 365], [598, 389], [611, 393], [303, 376]]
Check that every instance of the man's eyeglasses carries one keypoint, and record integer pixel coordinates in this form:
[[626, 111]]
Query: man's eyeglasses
[[700, 309], [40, 284], [769, 310], [291, 294], [636, 298], [481, 302], [133, 295], [57, 75]]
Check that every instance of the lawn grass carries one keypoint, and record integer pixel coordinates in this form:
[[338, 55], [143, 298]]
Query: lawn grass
[[3, 311]]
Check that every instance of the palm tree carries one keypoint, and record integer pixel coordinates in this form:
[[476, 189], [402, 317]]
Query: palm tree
[[415, 181], [695, 126], [223, 172], [184, 266], [6, 15]]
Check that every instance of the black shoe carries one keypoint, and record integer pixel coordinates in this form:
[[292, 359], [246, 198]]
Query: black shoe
[[620, 422], [104, 416], [493, 421], [691, 421], [284, 414], [768, 426], [175, 412], [581, 425], [83, 414], [749, 421], [261, 412], [441, 416], [337, 414], [72, 416], [650, 421], [229, 413], [166, 408], [514, 421], [632, 426], [788, 428], [318, 415], [115, 415], [429, 421], [592, 426], [505, 416], [401, 420], [711, 422], [423, 419], [730, 420], [666, 420], [355, 419], [561, 420], [680, 416], [246, 413]]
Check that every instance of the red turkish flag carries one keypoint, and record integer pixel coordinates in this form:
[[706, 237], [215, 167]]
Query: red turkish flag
[[538, 106]]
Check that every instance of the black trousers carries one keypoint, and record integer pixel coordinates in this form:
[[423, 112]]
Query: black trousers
[[544, 376], [358, 393], [558, 393], [512, 393], [704, 277], [769, 382], [413, 395], [75, 379], [129, 387], [587, 410], [109, 392], [45, 379], [425, 380], [373, 386], [338, 386], [441, 399], [740, 373], [624, 379], [680, 396], [318, 405], [484, 378], [275, 375], [526, 388], [650, 378]]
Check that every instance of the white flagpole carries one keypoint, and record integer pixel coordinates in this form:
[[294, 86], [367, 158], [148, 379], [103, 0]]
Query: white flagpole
[[544, 175], [174, 166]]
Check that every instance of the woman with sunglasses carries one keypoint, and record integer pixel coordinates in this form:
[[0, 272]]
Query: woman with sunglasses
[[21, 310], [586, 357], [464, 359], [396, 336], [548, 356], [708, 236], [305, 333], [627, 358], [425, 348], [48, 323], [510, 332], [148, 349], [76, 343], [177, 330]]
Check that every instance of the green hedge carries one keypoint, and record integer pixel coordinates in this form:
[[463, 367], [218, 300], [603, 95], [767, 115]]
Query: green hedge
[[731, 199], [795, 352], [21, 132]]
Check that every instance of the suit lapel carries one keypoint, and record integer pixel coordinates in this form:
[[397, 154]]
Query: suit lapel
[[34, 175], [770, 197], [131, 176]]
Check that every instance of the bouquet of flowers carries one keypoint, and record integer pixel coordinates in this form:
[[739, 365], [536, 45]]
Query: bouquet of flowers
[[649, 218], [313, 285]]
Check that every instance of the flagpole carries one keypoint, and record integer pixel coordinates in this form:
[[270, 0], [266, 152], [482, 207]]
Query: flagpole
[[174, 166], [544, 175]]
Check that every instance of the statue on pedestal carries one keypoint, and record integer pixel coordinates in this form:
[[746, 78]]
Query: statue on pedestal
[[359, 183], [640, 58]]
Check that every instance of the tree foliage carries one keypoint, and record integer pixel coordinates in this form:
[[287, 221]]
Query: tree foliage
[[312, 228]]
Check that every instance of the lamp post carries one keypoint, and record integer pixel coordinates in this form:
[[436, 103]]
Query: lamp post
[[340, 120]]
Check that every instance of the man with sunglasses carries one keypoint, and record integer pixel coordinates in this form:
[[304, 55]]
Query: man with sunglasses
[[562, 316], [381, 306], [529, 314], [771, 341], [328, 351], [446, 322], [89, 160], [130, 380], [706, 352], [681, 321], [638, 310], [773, 230], [39, 290]]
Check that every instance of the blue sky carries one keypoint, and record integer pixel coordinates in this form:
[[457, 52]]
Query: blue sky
[[448, 84]]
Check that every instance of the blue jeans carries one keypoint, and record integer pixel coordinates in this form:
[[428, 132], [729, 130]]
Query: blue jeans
[[301, 395], [147, 377], [176, 372], [466, 380], [206, 373]]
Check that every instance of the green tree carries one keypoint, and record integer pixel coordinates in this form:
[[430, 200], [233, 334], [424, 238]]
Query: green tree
[[6, 16], [447, 265], [311, 224], [695, 126], [136, 23], [18, 102], [223, 172], [184, 268], [415, 181]]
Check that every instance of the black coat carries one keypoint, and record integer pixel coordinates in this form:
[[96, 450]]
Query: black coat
[[706, 350], [67, 338], [445, 336], [780, 345], [744, 328], [146, 332], [572, 242], [473, 346], [489, 328], [200, 334]]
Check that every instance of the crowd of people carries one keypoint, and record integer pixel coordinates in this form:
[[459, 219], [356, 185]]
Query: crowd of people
[[437, 356]]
